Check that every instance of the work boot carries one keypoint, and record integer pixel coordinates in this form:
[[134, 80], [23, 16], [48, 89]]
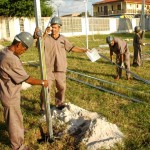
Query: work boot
[[117, 78], [42, 112], [61, 105], [24, 147], [128, 78]]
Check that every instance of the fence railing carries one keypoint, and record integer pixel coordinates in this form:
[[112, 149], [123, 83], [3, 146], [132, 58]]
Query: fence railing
[[72, 26]]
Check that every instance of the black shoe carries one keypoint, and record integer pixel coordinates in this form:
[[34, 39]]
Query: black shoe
[[42, 112], [117, 78], [135, 65], [128, 78], [62, 106], [24, 147]]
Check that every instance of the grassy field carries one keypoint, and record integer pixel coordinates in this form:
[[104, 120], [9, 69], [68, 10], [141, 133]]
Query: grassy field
[[132, 118]]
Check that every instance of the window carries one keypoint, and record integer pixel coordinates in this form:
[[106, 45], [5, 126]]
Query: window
[[119, 7], [137, 6], [101, 9], [112, 8]]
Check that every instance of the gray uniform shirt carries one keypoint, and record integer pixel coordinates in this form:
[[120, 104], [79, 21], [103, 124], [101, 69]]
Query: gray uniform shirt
[[137, 41], [55, 53], [12, 74], [120, 47]]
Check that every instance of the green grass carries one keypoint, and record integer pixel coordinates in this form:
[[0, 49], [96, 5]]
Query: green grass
[[132, 118]]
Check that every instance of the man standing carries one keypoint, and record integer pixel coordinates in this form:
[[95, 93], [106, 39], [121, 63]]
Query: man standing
[[137, 45], [56, 46], [12, 74], [120, 48]]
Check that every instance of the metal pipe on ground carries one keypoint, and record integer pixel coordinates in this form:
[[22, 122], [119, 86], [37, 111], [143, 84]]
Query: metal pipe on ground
[[105, 90], [105, 81]]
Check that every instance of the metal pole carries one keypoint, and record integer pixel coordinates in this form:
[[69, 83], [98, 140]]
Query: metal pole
[[143, 28], [58, 10], [37, 10], [86, 22], [92, 24], [143, 15]]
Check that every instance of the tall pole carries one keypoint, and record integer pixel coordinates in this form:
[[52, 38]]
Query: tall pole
[[37, 10], [86, 22], [58, 10], [143, 27], [143, 15]]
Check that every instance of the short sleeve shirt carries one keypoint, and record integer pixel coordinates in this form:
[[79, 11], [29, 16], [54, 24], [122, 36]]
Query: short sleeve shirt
[[120, 47], [55, 53], [12, 74], [137, 40]]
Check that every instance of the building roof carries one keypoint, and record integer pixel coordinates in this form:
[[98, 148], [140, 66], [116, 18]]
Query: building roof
[[147, 2], [72, 15]]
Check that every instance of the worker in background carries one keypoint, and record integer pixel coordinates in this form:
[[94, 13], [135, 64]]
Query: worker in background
[[56, 46], [137, 45], [120, 48], [12, 74]]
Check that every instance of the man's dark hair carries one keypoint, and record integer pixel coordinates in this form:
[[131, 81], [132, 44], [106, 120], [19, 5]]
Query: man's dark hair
[[15, 42]]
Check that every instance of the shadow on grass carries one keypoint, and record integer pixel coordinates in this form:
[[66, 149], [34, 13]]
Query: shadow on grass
[[4, 138], [28, 105], [98, 61], [91, 73], [79, 58], [66, 140]]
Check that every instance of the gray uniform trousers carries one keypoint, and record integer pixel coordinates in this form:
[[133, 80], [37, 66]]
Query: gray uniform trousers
[[137, 55], [60, 82], [126, 63], [14, 121]]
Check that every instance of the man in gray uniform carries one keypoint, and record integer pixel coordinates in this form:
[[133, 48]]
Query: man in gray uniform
[[12, 74], [56, 46], [137, 43], [120, 48]]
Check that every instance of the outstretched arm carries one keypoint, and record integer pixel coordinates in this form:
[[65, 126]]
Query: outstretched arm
[[79, 50]]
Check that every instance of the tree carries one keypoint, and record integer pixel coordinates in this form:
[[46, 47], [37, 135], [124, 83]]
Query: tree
[[46, 9], [23, 8]]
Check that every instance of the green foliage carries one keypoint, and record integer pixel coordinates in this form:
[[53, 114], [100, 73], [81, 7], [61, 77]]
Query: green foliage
[[23, 8], [46, 10]]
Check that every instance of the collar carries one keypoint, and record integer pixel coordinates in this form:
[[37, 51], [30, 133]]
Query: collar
[[55, 38]]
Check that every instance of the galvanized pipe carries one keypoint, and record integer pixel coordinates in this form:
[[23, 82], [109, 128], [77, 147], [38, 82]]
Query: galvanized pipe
[[105, 90]]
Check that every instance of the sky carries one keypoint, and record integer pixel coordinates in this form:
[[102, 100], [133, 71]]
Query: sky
[[63, 7]]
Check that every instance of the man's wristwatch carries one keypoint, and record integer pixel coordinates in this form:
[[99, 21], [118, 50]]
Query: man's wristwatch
[[42, 82]]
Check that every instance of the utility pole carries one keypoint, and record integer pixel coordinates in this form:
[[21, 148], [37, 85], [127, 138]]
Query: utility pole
[[37, 10], [143, 28], [86, 21], [143, 15], [58, 10]]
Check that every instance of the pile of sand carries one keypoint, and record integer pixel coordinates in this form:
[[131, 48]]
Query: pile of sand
[[92, 129]]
